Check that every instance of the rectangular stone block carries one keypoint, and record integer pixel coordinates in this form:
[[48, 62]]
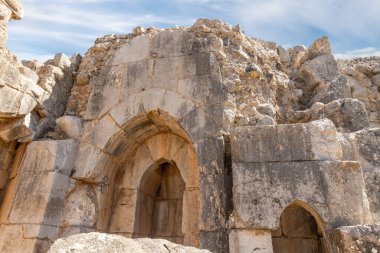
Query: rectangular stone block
[[50, 156], [40, 198], [136, 50], [191, 201], [34, 231], [247, 241], [215, 201], [316, 140], [12, 241], [123, 216], [333, 189], [214, 241], [173, 43], [92, 164], [210, 154]]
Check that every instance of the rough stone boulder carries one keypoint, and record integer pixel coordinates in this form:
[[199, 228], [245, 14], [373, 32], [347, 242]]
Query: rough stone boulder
[[358, 239], [319, 47], [18, 86], [98, 242], [321, 69], [347, 114], [9, 9], [19, 94]]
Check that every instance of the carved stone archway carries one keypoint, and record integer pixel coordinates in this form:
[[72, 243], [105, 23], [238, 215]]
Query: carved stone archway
[[301, 230], [156, 190]]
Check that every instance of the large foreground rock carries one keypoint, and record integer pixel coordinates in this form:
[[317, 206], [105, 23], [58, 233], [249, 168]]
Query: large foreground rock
[[98, 242]]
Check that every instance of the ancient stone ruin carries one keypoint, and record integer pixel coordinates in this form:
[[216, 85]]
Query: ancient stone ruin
[[200, 135]]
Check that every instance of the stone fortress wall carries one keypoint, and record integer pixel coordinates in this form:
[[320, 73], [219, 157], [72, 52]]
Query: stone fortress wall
[[199, 135]]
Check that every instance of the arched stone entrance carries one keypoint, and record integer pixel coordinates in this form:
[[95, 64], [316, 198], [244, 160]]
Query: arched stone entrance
[[299, 231], [157, 178], [160, 203]]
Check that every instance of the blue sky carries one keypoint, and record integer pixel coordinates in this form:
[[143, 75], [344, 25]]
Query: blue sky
[[70, 26]]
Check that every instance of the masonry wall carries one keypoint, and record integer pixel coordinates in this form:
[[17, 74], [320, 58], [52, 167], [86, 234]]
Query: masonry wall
[[296, 165], [252, 128]]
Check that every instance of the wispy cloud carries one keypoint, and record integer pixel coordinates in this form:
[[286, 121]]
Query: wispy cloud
[[76, 24], [73, 25], [361, 52], [340, 18]]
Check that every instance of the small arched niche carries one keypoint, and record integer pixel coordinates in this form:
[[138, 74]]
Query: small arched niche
[[299, 231], [160, 203]]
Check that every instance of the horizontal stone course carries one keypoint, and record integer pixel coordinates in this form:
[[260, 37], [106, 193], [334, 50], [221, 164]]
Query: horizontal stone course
[[316, 140]]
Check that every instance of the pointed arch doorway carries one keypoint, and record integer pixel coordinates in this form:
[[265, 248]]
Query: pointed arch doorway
[[299, 231], [160, 203]]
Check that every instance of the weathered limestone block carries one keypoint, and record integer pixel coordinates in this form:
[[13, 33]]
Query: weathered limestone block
[[72, 126], [347, 114], [296, 53], [316, 140], [244, 241], [62, 61], [215, 241], [284, 55], [347, 149], [97, 242], [319, 47], [9, 9], [43, 182], [175, 43], [321, 69], [92, 165], [57, 81], [50, 156], [367, 143], [333, 189], [211, 160], [336, 89], [367, 152], [376, 80], [136, 50], [7, 153], [45, 205], [22, 128], [81, 207], [26, 241], [121, 223], [14, 103], [18, 86], [354, 239], [215, 201]]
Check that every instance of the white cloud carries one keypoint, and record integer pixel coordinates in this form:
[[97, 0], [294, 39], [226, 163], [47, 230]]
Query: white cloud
[[344, 19], [77, 23], [361, 52]]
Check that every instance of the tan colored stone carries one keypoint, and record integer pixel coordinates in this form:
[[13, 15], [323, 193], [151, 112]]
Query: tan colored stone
[[81, 208], [241, 241], [91, 164], [123, 217], [39, 207], [71, 126], [136, 50]]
